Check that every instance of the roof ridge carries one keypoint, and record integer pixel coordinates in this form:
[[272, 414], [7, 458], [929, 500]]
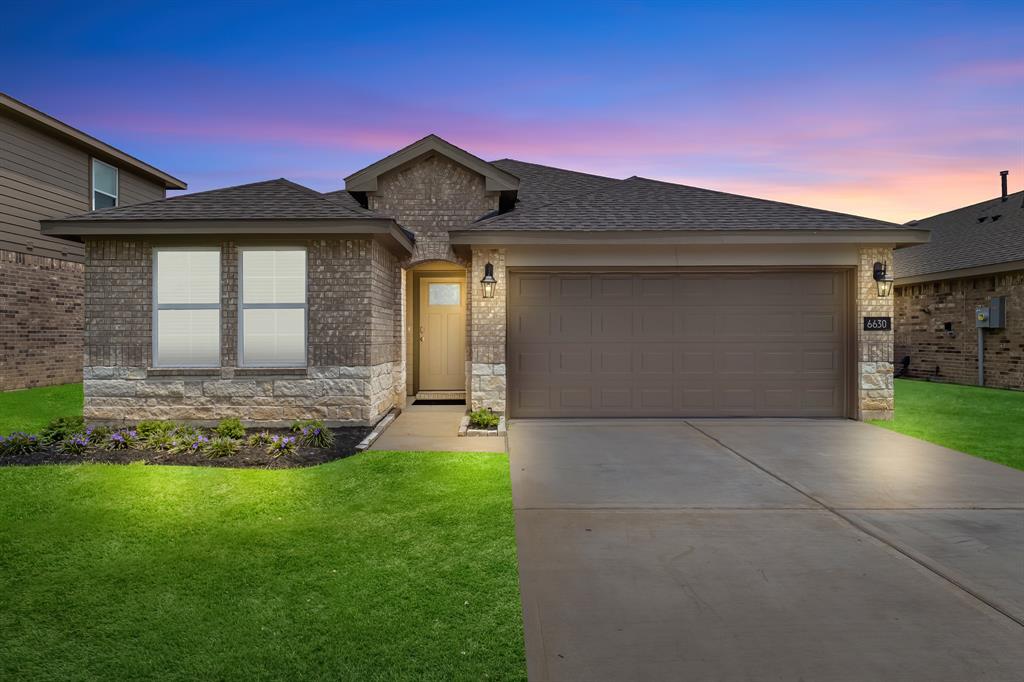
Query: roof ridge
[[494, 219], [557, 168], [177, 196], [768, 201], [1009, 196]]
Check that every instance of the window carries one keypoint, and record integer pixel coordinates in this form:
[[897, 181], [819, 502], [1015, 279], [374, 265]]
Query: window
[[272, 328], [444, 294], [104, 185], [186, 315]]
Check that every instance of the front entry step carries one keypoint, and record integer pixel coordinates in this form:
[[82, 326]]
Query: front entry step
[[441, 395]]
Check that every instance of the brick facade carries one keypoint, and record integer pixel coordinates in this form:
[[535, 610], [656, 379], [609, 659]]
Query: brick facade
[[40, 321], [430, 197], [874, 370], [924, 310], [354, 342]]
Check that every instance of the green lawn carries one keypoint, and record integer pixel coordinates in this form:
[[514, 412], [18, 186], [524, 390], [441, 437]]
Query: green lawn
[[383, 566], [987, 422], [34, 408]]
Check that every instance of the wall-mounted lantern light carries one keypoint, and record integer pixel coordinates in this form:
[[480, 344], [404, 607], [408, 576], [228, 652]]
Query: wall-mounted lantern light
[[883, 278], [488, 281]]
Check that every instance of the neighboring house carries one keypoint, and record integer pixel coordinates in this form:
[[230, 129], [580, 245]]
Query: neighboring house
[[976, 253], [529, 290], [49, 170]]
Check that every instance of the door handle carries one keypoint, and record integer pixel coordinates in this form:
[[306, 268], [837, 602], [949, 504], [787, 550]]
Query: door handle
[[422, 331]]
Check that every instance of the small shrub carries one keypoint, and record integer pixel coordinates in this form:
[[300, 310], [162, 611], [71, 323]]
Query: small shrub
[[74, 445], [483, 419], [300, 424], [221, 447], [189, 446], [97, 435], [156, 440], [316, 436], [185, 432], [18, 443], [122, 439], [281, 445], [230, 428], [62, 428], [148, 427], [259, 439]]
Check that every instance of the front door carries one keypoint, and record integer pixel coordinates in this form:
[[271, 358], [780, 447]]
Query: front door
[[442, 334]]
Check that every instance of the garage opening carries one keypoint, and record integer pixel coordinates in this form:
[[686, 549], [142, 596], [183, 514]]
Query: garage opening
[[678, 344]]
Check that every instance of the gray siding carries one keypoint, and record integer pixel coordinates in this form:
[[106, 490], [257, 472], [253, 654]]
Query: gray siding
[[43, 177]]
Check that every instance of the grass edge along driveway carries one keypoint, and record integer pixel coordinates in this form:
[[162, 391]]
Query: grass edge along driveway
[[382, 566], [985, 422]]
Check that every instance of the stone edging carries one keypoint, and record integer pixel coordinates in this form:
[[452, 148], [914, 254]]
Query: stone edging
[[464, 429], [378, 430]]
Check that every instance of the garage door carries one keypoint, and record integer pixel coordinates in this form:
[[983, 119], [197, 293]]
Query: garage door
[[661, 344]]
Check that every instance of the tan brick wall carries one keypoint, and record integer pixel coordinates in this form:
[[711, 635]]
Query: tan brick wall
[[874, 352], [40, 321], [485, 371], [354, 294], [429, 197], [923, 310]]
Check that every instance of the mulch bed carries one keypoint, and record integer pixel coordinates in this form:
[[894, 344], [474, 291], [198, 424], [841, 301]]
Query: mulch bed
[[345, 441]]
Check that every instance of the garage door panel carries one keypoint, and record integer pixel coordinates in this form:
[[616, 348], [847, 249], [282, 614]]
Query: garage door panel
[[677, 344]]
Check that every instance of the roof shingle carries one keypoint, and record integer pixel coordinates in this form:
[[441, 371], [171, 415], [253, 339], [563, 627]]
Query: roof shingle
[[979, 235], [268, 200], [642, 204]]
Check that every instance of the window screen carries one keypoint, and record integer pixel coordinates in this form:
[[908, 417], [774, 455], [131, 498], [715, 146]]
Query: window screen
[[104, 185]]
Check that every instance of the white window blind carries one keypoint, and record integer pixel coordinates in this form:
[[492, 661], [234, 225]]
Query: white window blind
[[186, 318], [273, 307], [104, 185]]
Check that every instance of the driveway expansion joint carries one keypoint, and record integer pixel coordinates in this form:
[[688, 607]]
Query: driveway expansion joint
[[879, 535]]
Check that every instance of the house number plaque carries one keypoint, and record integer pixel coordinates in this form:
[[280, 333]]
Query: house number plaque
[[877, 324]]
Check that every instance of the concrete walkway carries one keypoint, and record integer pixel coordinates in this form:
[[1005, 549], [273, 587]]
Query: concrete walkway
[[764, 550], [433, 428]]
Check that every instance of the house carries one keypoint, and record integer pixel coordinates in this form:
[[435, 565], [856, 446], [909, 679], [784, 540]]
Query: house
[[976, 255], [526, 289], [48, 170]]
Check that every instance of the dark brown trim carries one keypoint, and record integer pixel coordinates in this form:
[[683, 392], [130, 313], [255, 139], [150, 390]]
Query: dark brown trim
[[98, 148], [627, 237]]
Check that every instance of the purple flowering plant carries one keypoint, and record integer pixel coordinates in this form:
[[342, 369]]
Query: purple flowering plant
[[74, 445], [122, 439], [281, 445], [317, 436], [18, 443]]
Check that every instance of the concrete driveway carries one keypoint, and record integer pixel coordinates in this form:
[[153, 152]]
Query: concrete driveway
[[764, 550]]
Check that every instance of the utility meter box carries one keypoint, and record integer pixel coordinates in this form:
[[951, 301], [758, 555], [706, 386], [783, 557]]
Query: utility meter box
[[991, 316]]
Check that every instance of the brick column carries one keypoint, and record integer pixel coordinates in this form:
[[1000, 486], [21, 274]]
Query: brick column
[[874, 349], [486, 366]]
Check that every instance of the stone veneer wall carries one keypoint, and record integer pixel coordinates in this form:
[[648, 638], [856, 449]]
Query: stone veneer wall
[[874, 349], [429, 197], [485, 371], [353, 342], [40, 321], [952, 356]]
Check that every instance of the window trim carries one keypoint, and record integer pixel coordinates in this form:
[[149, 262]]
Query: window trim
[[157, 307], [92, 181], [243, 306]]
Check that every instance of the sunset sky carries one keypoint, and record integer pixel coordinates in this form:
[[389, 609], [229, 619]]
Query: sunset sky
[[890, 110]]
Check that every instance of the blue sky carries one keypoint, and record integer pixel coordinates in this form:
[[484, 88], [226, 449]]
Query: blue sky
[[892, 110]]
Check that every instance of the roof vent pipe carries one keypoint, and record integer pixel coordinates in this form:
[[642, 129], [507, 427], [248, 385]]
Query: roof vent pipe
[[1002, 175]]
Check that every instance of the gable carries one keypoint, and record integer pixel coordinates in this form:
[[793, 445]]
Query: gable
[[495, 179]]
